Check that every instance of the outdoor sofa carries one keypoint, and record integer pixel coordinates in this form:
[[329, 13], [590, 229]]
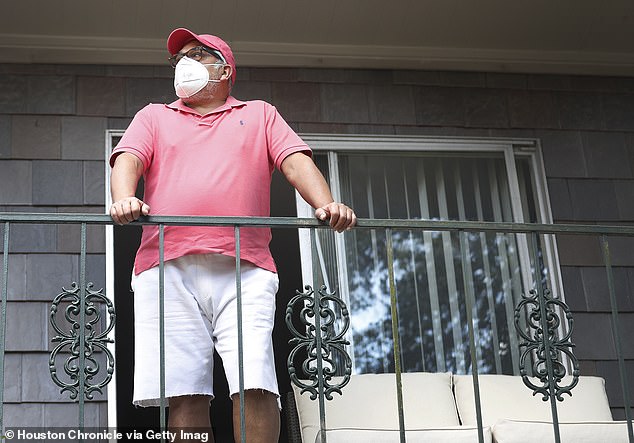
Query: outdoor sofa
[[440, 408]]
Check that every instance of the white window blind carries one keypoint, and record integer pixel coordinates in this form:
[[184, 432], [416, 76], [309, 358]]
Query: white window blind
[[436, 180]]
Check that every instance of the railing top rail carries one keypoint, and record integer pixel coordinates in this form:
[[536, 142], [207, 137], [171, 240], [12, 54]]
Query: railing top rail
[[293, 222]]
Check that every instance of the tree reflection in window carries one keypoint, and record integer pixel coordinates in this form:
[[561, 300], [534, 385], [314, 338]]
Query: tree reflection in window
[[428, 266]]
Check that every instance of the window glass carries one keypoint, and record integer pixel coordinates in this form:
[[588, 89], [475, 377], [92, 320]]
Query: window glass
[[428, 266]]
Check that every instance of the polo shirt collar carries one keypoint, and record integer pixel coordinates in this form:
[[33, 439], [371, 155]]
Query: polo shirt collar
[[231, 102]]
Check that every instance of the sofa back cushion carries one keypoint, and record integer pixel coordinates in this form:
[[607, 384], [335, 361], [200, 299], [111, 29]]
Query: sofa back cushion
[[507, 397], [369, 402]]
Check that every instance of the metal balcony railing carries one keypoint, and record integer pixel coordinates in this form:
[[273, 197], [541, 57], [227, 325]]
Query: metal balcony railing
[[546, 348]]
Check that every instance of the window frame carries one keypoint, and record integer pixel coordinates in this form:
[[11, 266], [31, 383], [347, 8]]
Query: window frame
[[511, 148], [111, 136]]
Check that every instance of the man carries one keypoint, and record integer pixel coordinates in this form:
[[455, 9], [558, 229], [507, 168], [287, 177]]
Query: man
[[209, 154]]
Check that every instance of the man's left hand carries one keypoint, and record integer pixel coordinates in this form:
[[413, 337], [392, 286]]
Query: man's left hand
[[340, 216]]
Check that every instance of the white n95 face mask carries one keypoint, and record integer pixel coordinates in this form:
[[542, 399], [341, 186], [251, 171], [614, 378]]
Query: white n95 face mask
[[190, 77]]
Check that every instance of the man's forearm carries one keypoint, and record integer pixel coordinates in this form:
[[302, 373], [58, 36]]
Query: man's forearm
[[302, 173], [126, 172], [315, 191], [125, 176]]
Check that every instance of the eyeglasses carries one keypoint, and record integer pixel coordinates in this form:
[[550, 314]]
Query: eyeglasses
[[196, 53]]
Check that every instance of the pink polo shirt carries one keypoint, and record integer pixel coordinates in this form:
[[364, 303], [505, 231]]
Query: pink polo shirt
[[215, 164]]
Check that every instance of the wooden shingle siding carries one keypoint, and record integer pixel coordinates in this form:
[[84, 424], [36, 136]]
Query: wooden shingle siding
[[52, 123]]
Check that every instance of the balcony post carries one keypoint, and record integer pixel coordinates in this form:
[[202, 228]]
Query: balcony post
[[162, 414], [318, 340], [243, 428], [546, 336], [470, 303], [616, 331], [3, 318], [396, 338], [82, 327]]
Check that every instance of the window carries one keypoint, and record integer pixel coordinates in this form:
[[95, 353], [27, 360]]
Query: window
[[437, 179]]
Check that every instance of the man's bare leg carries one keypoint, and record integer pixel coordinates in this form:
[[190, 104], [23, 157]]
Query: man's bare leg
[[189, 413], [262, 416]]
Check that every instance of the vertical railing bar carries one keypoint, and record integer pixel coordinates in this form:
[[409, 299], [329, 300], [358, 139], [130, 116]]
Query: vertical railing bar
[[395, 334], [3, 317], [318, 341], [162, 414], [243, 426], [545, 335], [82, 326], [470, 303], [607, 259]]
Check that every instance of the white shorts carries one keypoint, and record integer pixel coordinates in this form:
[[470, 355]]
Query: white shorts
[[200, 316]]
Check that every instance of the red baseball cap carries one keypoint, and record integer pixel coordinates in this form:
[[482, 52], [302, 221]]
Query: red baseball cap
[[181, 36]]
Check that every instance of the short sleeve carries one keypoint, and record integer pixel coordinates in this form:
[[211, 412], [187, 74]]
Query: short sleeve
[[138, 139], [281, 139]]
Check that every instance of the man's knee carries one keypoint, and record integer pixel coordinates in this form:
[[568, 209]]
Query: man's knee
[[189, 402], [256, 395]]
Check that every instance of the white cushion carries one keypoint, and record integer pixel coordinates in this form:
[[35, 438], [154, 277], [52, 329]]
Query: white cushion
[[516, 431], [369, 402], [507, 397], [458, 434]]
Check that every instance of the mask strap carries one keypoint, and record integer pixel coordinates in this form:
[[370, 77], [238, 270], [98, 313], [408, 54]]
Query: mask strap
[[223, 64]]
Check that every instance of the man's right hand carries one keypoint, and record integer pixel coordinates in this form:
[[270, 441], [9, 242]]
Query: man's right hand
[[127, 210]]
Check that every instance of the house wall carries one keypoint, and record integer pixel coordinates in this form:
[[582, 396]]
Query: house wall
[[52, 123]]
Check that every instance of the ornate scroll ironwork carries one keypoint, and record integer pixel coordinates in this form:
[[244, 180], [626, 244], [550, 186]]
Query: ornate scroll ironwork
[[329, 345], [544, 349], [95, 339]]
